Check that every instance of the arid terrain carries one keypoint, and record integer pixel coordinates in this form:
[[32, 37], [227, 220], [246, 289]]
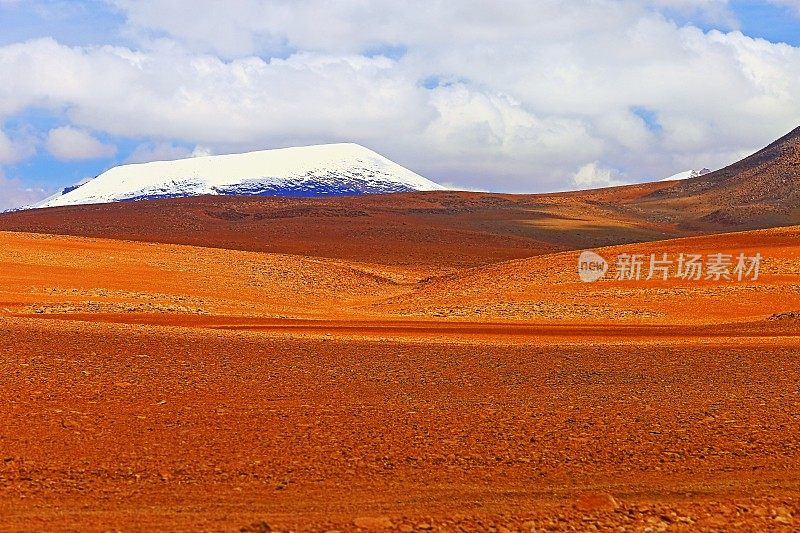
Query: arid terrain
[[152, 386], [412, 362]]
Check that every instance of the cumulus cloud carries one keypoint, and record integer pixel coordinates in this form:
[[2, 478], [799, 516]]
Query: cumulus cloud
[[15, 193], [71, 144], [594, 175], [164, 151], [717, 11], [17, 149], [249, 27], [512, 97], [161, 151]]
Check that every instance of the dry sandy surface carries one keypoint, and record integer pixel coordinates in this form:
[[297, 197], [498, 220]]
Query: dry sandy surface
[[166, 387]]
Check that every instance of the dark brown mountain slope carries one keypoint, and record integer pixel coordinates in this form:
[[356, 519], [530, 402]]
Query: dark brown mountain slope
[[759, 191]]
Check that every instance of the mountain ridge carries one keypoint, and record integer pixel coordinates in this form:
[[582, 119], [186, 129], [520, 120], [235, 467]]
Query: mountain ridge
[[768, 174], [317, 170]]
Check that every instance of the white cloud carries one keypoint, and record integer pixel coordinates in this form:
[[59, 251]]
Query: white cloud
[[594, 175], [791, 4], [14, 193], [244, 27], [201, 151], [511, 97], [7, 151], [162, 151], [71, 144], [716, 11], [18, 149]]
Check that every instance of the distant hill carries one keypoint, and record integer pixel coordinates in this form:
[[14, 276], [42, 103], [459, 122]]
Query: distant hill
[[324, 170], [762, 190]]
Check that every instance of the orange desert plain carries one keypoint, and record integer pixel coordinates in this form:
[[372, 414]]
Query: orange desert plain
[[411, 362]]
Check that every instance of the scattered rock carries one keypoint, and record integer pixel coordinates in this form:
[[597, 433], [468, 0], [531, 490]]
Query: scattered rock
[[69, 424], [373, 523], [791, 315], [782, 515], [596, 502], [257, 527]]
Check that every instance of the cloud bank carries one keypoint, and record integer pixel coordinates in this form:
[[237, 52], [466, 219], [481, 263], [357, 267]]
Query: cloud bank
[[70, 144]]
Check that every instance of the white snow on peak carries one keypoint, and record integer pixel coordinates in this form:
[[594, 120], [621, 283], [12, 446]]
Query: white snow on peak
[[687, 174], [328, 169]]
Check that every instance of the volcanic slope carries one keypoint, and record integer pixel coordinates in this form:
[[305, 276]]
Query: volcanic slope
[[759, 191]]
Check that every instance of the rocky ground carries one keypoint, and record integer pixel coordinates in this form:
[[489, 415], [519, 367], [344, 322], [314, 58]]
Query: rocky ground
[[135, 427], [161, 387]]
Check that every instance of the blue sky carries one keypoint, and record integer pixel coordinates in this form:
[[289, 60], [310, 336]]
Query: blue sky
[[779, 24], [507, 96]]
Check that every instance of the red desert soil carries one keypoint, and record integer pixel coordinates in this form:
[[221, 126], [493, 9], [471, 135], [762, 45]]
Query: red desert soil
[[166, 387], [414, 230]]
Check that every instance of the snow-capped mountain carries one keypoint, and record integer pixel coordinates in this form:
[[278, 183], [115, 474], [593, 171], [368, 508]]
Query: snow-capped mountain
[[330, 169], [687, 174]]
